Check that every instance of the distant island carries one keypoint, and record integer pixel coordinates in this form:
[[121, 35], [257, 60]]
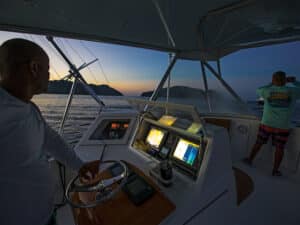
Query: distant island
[[63, 87], [178, 92]]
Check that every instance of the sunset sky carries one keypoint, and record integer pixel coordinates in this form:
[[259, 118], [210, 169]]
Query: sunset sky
[[132, 70]]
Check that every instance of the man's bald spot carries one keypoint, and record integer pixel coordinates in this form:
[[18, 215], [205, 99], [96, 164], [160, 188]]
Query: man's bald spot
[[14, 53]]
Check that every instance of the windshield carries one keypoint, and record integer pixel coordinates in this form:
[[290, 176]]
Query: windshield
[[134, 72]]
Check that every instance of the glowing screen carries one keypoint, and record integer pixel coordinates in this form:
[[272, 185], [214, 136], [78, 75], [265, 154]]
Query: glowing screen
[[155, 137], [186, 151]]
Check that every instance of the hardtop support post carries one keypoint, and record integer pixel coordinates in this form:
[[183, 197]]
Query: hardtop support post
[[164, 22], [155, 93], [170, 41], [219, 67], [169, 82], [205, 86], [223, 82], [163, 80]]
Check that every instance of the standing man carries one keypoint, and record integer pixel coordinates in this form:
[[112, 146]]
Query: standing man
[[27, 185], [279, 102]]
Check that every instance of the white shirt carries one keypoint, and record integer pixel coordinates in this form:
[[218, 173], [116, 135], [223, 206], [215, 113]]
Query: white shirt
[[27, 185]]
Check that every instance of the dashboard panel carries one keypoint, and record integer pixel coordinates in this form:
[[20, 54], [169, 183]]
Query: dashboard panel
[[178, 140]]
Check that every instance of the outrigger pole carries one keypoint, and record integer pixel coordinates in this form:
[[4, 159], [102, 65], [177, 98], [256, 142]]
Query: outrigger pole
[[155, 93], [163, 80], [74, 72]]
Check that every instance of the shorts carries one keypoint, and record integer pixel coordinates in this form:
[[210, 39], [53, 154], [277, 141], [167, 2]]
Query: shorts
[[279, 136]]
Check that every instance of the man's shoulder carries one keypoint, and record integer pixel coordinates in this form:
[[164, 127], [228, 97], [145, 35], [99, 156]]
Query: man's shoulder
[[280, 88], [33, 105], [6, 99], [265, 87], [11, 108]]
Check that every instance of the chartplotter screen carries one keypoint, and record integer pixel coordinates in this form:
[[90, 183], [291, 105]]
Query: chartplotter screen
[[155, 137], [186, 151]]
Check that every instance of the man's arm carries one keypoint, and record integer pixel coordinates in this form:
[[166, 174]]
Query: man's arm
[[296, 89], [260, 91], [297, 84], [57, 147]]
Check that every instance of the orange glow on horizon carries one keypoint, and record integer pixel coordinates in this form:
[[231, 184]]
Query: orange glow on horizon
[[133, 87]]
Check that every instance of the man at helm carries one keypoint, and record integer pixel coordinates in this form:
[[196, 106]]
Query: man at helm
[[27, 185], [279, 102]]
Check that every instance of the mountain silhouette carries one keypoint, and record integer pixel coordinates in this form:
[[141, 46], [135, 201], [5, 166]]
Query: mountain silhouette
[[64, 87]]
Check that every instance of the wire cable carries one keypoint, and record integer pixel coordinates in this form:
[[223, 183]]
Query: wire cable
[[55, 71], [89, 69], [52, 49], [99, 63], [61, 41]]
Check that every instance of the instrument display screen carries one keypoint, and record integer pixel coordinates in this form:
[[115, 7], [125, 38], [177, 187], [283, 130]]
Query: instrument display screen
[[186, 151], [155, 137]]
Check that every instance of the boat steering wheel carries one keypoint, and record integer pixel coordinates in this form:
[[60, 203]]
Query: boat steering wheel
[[102, 189]]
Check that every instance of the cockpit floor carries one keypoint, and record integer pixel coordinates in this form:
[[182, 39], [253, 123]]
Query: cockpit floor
[[274, 201]]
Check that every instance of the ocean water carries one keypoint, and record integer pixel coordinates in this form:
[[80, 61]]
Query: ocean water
[[84, 109]]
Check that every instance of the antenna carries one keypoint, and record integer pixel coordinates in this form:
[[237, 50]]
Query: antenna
[[74, 72], [84, 65]]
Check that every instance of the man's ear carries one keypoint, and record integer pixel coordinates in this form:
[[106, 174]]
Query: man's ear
[[34, 67]]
